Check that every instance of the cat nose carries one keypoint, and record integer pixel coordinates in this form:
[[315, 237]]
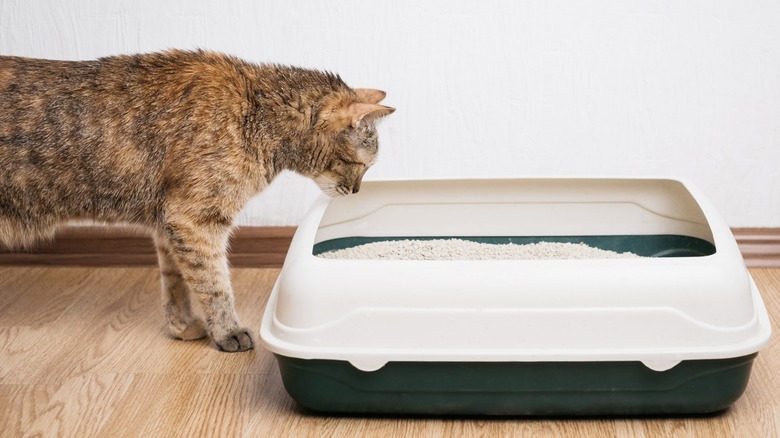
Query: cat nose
[[355, 189]]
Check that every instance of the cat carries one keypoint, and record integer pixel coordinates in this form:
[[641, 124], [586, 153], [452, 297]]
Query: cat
[[177, 142]]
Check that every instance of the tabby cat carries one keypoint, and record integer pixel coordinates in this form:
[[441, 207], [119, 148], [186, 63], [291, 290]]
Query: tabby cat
[[177, 142]]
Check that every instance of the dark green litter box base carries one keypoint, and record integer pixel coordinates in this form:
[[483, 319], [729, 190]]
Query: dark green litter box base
[[516, 388]]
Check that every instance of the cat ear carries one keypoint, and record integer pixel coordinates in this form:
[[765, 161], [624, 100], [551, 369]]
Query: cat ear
[[359, 112], [368, 95]]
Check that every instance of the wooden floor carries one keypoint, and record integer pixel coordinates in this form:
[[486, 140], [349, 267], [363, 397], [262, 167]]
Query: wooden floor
[[85, 352]]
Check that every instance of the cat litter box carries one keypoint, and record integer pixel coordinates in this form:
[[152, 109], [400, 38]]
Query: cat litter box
[[673, 332]]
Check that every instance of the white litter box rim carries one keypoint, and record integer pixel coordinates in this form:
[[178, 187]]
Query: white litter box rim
[[372, 359], [757, 330]]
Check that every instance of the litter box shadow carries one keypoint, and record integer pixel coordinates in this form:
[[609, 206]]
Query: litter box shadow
[[303, 411]]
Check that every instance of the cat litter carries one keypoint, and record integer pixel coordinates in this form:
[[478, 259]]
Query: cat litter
[[671, 330], [458, 249]]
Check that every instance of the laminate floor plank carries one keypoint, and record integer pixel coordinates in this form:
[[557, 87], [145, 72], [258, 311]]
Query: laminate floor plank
[[85, 352]]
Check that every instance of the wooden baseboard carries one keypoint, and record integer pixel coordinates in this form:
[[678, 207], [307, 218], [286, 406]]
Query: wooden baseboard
[[760, 246], [124, 246], [258, 247]]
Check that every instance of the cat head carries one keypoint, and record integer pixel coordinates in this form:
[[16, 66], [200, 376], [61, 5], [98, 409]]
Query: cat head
[[349, 128]]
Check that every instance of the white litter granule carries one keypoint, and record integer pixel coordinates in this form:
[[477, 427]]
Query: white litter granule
[[458, 249]]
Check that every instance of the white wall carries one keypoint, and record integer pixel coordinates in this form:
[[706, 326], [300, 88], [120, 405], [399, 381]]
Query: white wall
[[492, 88]]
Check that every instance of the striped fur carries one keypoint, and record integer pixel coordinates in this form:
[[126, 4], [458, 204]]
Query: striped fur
[[176, 142]]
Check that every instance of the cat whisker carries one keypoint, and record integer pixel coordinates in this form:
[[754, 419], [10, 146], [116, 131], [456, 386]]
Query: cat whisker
[[319, 175], [330, 192]]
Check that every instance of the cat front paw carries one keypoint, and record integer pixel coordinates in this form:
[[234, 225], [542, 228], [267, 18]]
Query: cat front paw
[[236, 340]]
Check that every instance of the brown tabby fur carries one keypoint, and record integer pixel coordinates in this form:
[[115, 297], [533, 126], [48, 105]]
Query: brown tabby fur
[[177, 142]]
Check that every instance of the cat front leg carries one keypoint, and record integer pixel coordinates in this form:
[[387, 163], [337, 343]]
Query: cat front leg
[[182, 322], [200, 252]]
